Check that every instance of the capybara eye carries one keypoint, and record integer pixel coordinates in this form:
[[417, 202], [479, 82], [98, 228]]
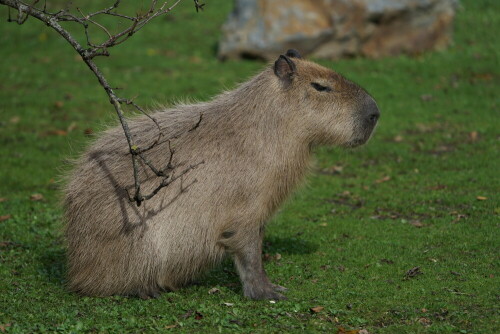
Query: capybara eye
[[321, 88]]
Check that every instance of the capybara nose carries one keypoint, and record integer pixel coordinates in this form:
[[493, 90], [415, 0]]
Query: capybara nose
[[374, 116], [372, 111]]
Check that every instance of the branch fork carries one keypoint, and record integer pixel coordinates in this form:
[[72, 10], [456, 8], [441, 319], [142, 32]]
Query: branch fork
[[167, 174]]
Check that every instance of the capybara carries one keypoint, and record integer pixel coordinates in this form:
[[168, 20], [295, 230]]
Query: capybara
[[252, 148]]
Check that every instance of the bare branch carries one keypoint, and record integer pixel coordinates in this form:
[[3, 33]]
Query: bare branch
[[101, 49], [168, 180], [88, 18], [142, 150], [198, 5], [197, 124]]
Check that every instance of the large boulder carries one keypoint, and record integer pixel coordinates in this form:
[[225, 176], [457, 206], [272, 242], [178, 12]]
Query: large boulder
[[336, 28]]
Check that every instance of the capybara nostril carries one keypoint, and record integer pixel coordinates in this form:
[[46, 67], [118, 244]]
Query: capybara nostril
[[374, 116], [371, 110]]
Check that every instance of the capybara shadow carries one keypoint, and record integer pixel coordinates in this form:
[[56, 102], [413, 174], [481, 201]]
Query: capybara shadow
[[52, 265], [288, 245]]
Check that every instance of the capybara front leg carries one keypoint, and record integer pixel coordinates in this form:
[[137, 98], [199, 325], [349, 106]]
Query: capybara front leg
[[248, 259]]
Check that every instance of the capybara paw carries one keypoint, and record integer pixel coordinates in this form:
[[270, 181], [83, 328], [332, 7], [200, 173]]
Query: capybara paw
[[264, 293], [277, 296]]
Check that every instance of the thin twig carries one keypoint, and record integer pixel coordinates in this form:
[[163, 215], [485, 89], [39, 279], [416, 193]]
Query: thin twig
[[198, 5], [94, 50], [168, 140], [168, 180], [87, 18]]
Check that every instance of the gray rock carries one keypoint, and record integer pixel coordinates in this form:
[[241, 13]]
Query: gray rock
[[336, 28]]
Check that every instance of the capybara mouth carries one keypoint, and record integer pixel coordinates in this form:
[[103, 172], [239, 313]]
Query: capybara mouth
[[361, 140], [356, 142]]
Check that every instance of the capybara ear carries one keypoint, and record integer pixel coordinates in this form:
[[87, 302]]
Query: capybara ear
[[292, 53], [285, 69]]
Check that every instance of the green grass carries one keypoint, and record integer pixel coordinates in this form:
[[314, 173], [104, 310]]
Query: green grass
[[346, 239]]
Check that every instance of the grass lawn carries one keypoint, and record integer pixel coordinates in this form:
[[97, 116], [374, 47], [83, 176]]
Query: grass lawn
[[423, 193]]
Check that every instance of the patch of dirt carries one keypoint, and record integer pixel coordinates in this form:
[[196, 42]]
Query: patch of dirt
[[382, 214]]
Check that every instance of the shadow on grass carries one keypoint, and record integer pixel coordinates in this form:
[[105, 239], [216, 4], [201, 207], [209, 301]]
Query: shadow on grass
[[225, 274], [53, 265], [289, 245]]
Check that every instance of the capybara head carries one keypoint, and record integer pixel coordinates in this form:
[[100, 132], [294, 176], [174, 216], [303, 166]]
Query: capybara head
[[336, 111]]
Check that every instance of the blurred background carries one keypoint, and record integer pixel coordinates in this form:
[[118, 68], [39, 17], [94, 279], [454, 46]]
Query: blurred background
[[422, 193]]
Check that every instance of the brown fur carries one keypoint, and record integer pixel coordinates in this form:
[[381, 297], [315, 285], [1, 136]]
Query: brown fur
[[255, 142]]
